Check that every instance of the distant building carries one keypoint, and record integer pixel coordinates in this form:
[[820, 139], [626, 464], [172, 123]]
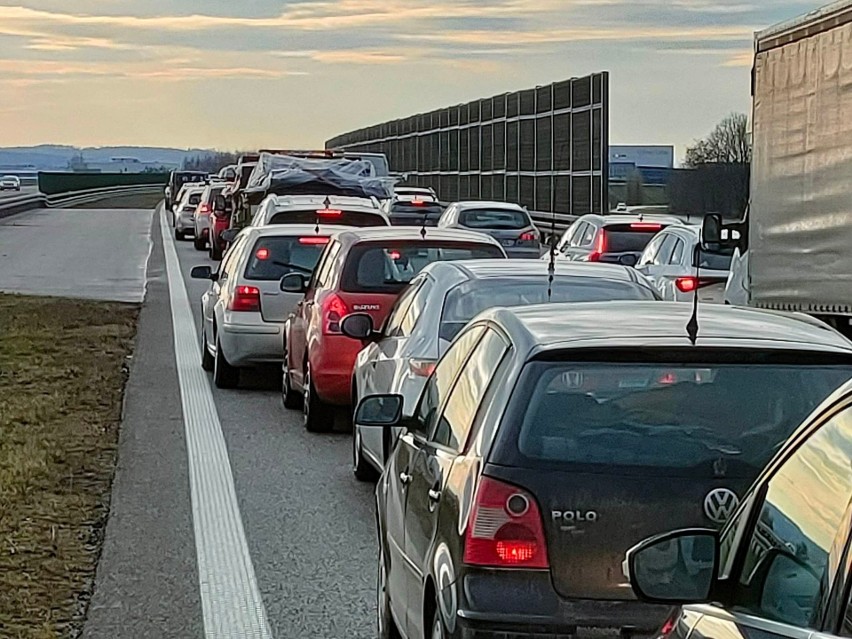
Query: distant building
[[654, 162]]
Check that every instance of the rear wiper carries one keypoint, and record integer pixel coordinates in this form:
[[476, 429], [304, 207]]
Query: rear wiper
[[295, 266]]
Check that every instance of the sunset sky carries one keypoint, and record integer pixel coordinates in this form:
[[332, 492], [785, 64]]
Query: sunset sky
[[236, 74]]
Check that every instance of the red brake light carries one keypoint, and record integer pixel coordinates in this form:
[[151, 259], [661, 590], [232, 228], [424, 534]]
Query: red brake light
[[330, 212], [394, 255], [505, 529], [205, 209], [646, 226], [600, 247], [529, 236], [421, 367], [334, 309], [667, 379], [262, 253], [418, 203], [686, 284], [313, 240], [245, 299]]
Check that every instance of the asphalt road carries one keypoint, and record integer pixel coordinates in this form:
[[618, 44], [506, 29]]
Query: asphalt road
[[309, 526], [25, 190], [95, 254]]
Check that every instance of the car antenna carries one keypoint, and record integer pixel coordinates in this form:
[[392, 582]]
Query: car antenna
[[551, 267], [327, 205], [423, 228], [692, 325]]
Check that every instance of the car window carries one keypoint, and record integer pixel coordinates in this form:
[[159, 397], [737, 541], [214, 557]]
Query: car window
[[418, 304], [588, 235], [463, 402], [651, 251], [574, 234], [665, 253], [677, 251], [229, 260], [272, 258], [800, 536], [400, 308], [324, 275], [494, 219], [441, 380]]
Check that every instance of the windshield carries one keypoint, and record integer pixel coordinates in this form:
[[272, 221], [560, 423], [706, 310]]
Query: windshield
[[388, 267], [603, 417], [338, 218], [494, 219], [272, 258], [621, 238], [466, 301]]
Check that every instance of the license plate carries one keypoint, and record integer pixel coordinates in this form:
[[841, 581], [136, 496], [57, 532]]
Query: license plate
[[507, 242]]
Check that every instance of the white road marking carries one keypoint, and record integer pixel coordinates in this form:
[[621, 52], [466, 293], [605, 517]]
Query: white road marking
[[230, 599]]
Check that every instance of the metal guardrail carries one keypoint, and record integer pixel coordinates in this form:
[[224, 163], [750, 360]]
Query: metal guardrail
[[19, 204]]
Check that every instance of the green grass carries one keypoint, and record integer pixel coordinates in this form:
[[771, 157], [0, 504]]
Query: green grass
[[63, 365]]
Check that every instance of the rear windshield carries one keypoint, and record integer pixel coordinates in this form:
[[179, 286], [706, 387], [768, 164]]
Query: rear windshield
[[274, 257], [387, 267], [183, 178], [466, 301], [719, 260], [346, 218], [194, 198], [494, 219], [426, 208], [689, 419], [621, 238]]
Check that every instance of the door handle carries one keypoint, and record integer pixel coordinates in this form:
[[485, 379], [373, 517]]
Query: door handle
[[405, 478], [434, 495]]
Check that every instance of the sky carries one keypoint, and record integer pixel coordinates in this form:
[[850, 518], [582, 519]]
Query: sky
[[242, 74]]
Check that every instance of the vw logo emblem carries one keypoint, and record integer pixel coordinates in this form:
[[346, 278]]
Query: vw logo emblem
[[720, 504]]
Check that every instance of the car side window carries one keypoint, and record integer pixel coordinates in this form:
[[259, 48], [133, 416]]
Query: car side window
[[324, 272], [798, 542], [226, 267], [665, 251], [677, 251], [652, 250], [415, 310], [579, 227], [442, 379], [463, 402], [400, 308], [588, 235]]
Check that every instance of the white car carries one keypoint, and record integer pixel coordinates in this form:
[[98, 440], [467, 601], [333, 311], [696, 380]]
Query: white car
[[669, 261], [438, 303], [426, 194], [323, 209], [184, 210], [244, 308], [10, 183]]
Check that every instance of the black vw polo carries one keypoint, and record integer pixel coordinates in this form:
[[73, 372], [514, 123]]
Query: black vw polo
[[550, 439]]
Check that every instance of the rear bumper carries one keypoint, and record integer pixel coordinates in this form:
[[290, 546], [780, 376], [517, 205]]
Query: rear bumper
[[331, 368], [185, 222], [252, 344], [525, 253], [494, 604]]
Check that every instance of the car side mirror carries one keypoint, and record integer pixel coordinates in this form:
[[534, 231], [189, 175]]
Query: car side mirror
[[628, 260], [293, 283], [674, 568], [383, 411], [229, 235], [202, 273], [711, 230], [358, 326]]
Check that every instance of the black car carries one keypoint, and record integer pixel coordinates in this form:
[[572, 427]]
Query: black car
[[781, 568], [550, 439]]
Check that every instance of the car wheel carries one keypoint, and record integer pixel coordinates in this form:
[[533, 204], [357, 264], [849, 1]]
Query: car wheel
[[385, 623], [179, 235], [290, 397], [224, 375], [437, 630], [361, 468], [199, 243], [207, 361], [318, 416]]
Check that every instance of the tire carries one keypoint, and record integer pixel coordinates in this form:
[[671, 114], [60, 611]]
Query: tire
[[436, 627], [318, 416], [208, 363], [215, 250], [291, 398], [179, 235], [385, 625], [224, 375], [361, 468], [199, 243]]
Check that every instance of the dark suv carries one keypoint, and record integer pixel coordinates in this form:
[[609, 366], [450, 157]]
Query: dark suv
[[781, 568], [177, 179], [550, 439]]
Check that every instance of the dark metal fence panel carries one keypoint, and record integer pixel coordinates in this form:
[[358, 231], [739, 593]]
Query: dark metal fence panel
[[545, 148]]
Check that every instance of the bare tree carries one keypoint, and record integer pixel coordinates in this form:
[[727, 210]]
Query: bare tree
[[728, 143]]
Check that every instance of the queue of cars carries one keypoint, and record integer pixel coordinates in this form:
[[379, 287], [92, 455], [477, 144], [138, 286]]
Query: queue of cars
[[529, 421]]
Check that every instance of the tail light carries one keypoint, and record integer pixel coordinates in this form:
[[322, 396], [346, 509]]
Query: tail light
[[600, 247], [505, 528], [689, 284], [205, 209], [245, 299], [646, 226], [262, 253], [421, 367], [529, 236], [334, 309], [313, 241], [330, 212]]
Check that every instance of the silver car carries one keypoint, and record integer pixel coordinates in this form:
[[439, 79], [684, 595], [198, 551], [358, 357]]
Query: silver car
[[507, 223], [244, 308], [439, 302], [10, 183], [184, 210]]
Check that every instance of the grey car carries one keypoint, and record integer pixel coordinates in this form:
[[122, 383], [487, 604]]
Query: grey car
[[507, 223]]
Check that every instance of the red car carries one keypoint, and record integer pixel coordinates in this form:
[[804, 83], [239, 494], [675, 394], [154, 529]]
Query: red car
[[362, 270]]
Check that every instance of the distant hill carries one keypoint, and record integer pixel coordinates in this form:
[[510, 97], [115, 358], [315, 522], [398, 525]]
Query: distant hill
[[52, 157]]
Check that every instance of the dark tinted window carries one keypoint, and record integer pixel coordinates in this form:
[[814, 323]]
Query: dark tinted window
[[194, 198], [466, 301], [274, 257], [345, 218], [609, 415], [494, 219], [182, 178], [799, 540], [715, 260], [432, 209], [624, 238], [387, 267]]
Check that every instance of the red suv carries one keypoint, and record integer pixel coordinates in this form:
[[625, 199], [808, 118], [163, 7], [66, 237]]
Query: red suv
[[362, 270]]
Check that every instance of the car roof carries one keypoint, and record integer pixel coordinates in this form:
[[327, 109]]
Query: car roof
[[507, 269], [376, 233], [283, 202], [483, 204], [616, 324]]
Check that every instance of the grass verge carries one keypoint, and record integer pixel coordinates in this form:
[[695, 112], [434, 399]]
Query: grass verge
[[63, 365]]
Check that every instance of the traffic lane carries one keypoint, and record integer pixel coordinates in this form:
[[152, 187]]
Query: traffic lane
[[26, 189], [310, 526], [83, 253]]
